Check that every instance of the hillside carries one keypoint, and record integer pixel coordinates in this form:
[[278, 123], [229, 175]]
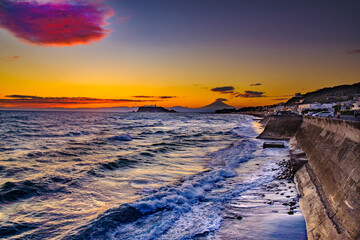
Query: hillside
[[326, 95]]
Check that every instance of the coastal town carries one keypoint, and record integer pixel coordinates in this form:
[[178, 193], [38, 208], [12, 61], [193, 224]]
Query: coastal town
[[340, 109], [342, 102]]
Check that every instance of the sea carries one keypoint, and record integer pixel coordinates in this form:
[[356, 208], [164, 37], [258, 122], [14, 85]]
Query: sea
[[94, 175]]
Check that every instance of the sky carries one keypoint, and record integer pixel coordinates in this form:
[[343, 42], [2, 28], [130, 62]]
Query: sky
[[82, 53]]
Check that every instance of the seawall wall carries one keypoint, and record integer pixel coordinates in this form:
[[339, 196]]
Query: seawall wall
[[333, 150], [280, 127], [329, 183]]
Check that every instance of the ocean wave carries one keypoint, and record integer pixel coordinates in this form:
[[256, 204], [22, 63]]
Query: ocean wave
[[122, 137], [43, 135], [147, 154], [12, 229], [159, 124], [13, 191], [35, 154], [5, 149], [58, 154], [80, 133], [9, 172], [162, 149], [119, 163], [173, 203]]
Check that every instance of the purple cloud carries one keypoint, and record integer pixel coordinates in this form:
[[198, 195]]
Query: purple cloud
[[57, 23], [354, 51], [157, 97]]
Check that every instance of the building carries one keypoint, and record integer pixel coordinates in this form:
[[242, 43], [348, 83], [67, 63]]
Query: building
[[356, 97], [346, 105], [314, 106], [356, 106]]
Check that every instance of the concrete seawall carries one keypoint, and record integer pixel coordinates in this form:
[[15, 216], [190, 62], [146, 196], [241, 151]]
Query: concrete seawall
[[329, 183], [280, 127]]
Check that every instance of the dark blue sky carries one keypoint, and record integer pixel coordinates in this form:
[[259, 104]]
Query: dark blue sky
[[267, 22]]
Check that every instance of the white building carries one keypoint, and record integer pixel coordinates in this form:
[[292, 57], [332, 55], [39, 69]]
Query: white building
[[356, 97], [346, 105], [356, 105], [315, 106]]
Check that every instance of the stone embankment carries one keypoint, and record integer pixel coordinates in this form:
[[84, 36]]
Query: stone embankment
[[329, 182], [280, 127]]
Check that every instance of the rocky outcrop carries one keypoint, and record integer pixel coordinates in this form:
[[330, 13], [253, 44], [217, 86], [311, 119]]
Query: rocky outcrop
[[155, 110], [329, 182]]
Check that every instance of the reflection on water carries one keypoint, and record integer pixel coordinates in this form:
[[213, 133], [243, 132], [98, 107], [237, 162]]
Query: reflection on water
[[61, 170]]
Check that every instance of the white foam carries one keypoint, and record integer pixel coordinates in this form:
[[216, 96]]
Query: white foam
[[190, 208]]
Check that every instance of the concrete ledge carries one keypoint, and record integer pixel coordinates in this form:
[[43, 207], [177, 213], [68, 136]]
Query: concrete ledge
[[273, 145]]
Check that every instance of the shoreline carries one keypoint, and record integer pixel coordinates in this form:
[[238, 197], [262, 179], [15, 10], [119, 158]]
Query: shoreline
[[265, 212], [269, 210]]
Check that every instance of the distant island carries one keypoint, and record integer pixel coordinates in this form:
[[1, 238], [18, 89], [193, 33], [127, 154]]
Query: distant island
[[218, 104], [155, 109]]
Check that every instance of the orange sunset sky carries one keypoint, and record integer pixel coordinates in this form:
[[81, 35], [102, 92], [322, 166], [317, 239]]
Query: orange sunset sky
[[173, 53]]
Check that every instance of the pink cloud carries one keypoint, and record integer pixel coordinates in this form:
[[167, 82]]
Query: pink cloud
[[57, 23], [11, 58], [354, 51], [124, 19]]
